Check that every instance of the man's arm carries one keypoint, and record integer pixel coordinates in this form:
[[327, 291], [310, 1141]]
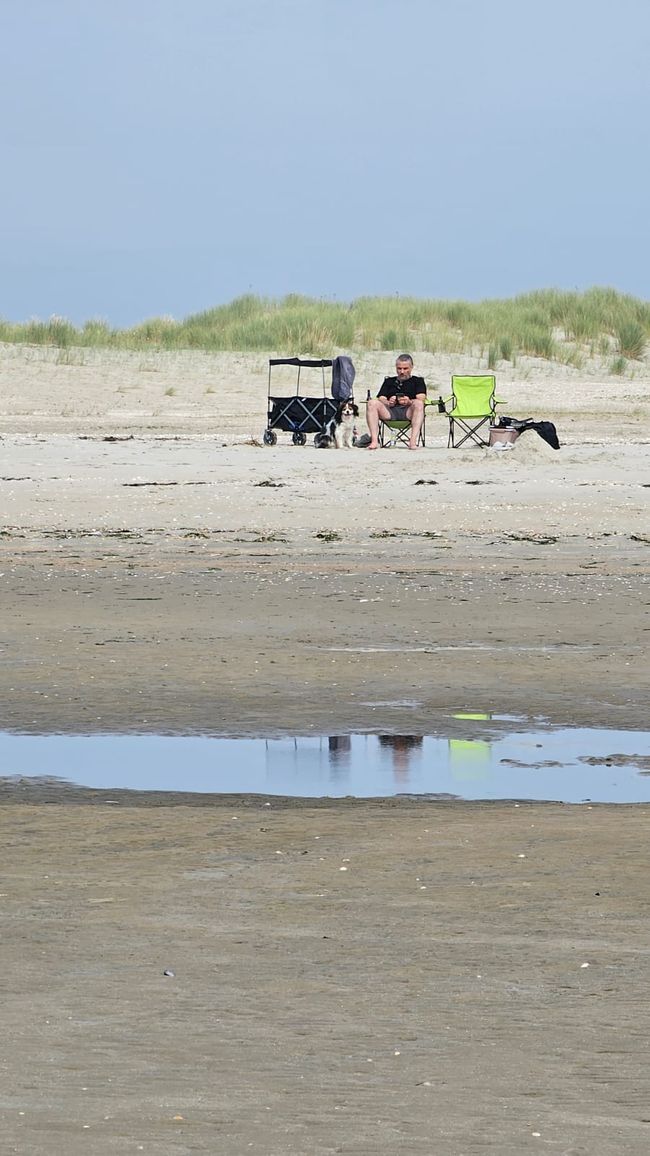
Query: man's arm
[[421, 395]]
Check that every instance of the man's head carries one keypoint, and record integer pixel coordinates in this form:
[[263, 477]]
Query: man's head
[[404, 366]]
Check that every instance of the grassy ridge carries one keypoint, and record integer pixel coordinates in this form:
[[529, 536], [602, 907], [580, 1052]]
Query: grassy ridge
[[548, 323]]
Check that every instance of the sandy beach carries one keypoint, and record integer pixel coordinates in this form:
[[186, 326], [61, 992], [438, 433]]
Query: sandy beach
[[162, 571]]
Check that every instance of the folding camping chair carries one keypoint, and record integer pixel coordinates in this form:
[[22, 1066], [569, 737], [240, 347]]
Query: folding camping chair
[[472, 406], [394, 433], [398, 432]]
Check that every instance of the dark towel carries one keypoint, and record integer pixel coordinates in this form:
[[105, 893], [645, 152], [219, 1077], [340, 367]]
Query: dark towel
[[547, 430], [343, 375]]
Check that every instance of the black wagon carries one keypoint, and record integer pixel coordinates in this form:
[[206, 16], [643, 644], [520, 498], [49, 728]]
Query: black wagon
[[297, 414]]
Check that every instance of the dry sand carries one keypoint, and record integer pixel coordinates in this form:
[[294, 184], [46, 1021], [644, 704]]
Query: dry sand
[[432, 998]]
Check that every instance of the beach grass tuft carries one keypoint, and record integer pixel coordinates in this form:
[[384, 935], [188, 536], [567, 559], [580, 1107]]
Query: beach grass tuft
[[631, 338]]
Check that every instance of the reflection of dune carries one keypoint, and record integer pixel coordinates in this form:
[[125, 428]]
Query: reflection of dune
[[469, 759], [296, 763]]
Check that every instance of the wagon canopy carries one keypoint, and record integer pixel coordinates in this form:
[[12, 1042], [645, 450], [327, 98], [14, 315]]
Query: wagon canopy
[[299, 361]]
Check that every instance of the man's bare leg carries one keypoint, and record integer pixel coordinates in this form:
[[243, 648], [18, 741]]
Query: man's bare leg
[[375, 411], [415, 414]]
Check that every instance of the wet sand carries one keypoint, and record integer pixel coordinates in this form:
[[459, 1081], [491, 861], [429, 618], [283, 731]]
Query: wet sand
[[431, 997], [347, 978]]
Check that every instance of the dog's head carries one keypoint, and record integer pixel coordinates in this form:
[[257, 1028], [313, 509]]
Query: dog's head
[[347, 409]]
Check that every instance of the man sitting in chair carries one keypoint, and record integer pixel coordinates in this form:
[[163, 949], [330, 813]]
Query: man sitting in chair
[[400, 398]]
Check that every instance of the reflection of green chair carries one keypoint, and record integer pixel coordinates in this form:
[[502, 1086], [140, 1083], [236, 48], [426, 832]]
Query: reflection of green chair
[[401, 432], [469, 758], [471, 407]]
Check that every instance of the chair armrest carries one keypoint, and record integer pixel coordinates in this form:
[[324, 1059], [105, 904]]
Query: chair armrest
[[434, 402]]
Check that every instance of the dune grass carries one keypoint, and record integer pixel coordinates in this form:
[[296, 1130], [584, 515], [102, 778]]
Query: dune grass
[[548, 323]]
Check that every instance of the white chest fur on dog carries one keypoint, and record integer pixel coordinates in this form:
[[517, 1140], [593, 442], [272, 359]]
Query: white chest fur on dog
[[343, 433]]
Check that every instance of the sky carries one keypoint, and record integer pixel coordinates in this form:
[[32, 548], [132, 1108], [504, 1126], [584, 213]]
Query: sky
[[161, 157]]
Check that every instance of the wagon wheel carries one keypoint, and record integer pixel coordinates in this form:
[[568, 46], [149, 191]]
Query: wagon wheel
[[299, 439], [270, 438]]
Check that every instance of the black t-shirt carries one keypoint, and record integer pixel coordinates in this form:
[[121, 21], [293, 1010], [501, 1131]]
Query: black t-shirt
[[393, 387]]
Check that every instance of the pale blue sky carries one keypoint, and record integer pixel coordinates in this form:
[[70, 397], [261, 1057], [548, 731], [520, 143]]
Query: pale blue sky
[[164, 156]]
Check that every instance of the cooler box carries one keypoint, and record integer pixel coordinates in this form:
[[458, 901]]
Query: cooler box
[[502, 435]]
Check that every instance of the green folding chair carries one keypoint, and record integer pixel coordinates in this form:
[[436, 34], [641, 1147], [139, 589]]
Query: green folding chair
[[471, 408], [399, 432], [394, 433]]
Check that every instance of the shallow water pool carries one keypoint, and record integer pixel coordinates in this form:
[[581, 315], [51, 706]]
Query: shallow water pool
[[566, 765]]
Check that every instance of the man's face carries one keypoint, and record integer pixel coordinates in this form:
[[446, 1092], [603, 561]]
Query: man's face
[[404, 369]]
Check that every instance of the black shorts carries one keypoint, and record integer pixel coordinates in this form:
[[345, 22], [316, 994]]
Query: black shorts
[[398, 412]]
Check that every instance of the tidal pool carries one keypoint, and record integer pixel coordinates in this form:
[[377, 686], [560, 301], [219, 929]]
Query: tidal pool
[[565, 765]]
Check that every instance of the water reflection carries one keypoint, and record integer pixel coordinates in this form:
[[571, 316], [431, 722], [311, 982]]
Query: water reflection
[[469, 759], [563, 764], [403, 748], [340, 752]]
